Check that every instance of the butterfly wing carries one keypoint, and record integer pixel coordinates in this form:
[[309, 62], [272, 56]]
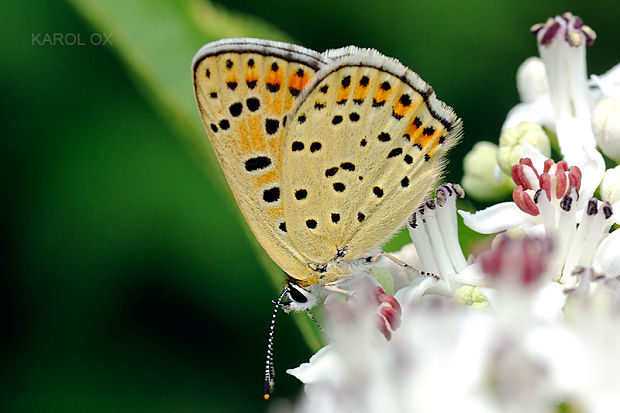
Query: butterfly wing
[[246, 89], [365, 146]]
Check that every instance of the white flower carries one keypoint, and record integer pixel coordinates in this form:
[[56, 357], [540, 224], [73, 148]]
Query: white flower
[[566, 108], [408, 374], [547, 201], [448, 358]]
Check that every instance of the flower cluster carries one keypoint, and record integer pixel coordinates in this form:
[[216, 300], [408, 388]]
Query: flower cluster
[[532, 323]]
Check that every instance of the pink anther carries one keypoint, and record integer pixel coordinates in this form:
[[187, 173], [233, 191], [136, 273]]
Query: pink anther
[[524, 201]]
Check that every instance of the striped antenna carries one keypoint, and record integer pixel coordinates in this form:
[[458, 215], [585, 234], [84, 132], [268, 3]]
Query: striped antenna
[[270, 374]]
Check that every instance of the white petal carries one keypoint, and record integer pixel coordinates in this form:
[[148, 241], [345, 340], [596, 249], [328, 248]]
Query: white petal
[[323, 364], [497, 218], [529, 151], [579, 149], [549, 301], [539, 111], [471, 275], [608, 255], [419, 287], [609, 82]]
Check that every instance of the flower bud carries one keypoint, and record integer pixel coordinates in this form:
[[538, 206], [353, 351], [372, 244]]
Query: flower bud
[[610, 186], [532, 80], [606, 127], [511, 140], [481, 179]]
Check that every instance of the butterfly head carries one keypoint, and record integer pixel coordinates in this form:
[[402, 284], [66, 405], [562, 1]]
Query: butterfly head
[[298, 298]]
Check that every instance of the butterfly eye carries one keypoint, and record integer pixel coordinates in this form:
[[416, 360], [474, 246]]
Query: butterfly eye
[[296, 295]]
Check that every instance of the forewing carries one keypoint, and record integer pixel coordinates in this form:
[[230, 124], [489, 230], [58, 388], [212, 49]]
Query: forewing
[[246, 90], [364, 147]]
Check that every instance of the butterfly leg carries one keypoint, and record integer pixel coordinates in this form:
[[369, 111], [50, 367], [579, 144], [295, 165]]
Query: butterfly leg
[[338, 290], [402, 264], [316, 323]]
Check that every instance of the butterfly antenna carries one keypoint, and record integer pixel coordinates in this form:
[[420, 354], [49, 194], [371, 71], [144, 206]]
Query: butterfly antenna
[[270, 374]]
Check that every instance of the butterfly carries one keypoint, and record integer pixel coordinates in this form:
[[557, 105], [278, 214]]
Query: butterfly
[[326, 154]]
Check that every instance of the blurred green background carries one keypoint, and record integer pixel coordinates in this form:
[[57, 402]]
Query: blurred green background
[[129, 280]]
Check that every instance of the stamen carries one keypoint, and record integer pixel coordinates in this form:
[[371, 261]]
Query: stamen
[[389, 313], [448, 224], [561, 44], [524, 201], [418, 232], [561, 183], [525, 174], [522, 258]]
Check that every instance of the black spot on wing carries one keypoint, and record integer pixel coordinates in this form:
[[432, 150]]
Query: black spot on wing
[[271, 126], [331, 171], [347, 166], [428, 131], [271, 194], [224, 124], [273, 87], [253, 104], [235, 109], [258, 162], [339, 187], [377, 104], [384, 137], [301, 194], [404, 99], [395, 152], [315, 146]]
